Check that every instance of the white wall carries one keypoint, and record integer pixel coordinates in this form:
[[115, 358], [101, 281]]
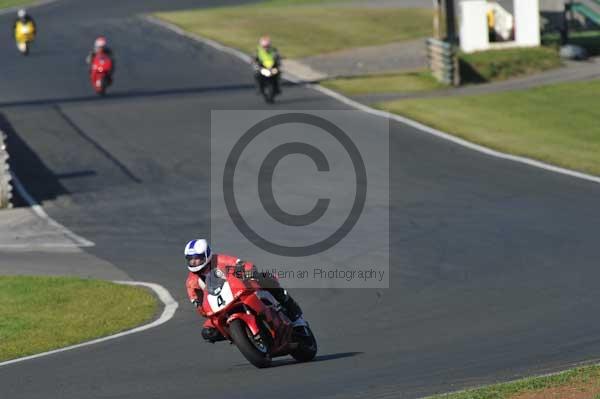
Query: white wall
[[473, 32], [473, 25], [527, 22]]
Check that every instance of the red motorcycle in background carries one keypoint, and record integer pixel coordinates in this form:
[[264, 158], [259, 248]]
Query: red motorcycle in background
[[252, 319], [101, 73]]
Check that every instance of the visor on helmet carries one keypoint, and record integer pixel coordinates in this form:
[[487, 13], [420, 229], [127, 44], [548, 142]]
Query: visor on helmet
[[200, 257]]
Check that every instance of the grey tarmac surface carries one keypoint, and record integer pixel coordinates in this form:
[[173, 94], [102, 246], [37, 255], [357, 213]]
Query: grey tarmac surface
[[495, 264], [395, 57]]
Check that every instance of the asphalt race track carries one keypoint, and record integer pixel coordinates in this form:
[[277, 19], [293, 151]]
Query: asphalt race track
[[494, 264]]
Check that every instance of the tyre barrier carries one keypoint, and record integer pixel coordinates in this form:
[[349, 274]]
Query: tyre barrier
[[5, 176]]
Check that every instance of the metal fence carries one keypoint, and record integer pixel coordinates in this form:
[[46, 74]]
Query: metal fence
[[443, 61], [5, 177]]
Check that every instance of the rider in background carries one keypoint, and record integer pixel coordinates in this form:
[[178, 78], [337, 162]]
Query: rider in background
[[200, 260], [23, 19], [266, 56], [101, 47]]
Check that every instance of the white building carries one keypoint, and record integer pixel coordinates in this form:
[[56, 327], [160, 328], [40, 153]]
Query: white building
[[519, 28]]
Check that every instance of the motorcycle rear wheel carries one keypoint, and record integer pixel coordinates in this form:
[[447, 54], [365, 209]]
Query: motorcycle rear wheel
[[254, 349], [307, 348]]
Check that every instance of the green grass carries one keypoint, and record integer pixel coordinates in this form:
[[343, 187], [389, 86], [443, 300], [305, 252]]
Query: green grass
[[38, 314], [557, 124], [494, 65], [479, 67], [304, 30], [14, 3], [408, 82], [584, 376], [298, 2]]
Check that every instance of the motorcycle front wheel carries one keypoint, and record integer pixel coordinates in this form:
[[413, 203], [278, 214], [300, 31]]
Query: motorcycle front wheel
[[23, 48], [269, 92], [100, 87], [254, 348]]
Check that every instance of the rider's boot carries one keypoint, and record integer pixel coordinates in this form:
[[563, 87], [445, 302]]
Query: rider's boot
[[293, 310], [212, 335]]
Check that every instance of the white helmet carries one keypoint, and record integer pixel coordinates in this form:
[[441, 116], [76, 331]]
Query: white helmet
[[264, 42], [21, 13], [197, 249], [100, 43]]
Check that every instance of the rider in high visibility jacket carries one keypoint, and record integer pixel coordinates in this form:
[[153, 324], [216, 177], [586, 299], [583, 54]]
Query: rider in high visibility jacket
[[23, 20], [266, 56]]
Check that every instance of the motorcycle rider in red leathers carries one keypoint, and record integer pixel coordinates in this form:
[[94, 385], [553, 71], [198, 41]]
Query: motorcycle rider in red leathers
[[101, 47], [200, 260]]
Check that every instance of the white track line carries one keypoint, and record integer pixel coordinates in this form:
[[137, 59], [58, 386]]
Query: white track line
[[162, 293], [39, 211], [457, 140], [216, 45], [417, 125], [569, 367]]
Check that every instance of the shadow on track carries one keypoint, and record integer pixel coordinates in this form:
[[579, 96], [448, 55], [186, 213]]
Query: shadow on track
[[132, 94], [40, 181], [333, 356], [97, 146], [115, 95], [319, 358]]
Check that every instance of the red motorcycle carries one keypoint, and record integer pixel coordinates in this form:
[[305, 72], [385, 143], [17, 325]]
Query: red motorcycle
[[253, 320], [101, 73]]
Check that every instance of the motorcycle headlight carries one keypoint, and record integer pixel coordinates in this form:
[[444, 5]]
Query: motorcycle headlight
[[275, 71], [265, 72]]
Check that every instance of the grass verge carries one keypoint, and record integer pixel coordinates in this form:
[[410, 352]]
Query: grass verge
[[578, 383], [300, 2], [38, 314], [15, 3], [303, 30], [557, 124], [408, 82], [494, 65]]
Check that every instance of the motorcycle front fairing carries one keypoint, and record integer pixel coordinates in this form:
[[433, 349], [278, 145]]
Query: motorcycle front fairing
[[221, 301], [231, 298]]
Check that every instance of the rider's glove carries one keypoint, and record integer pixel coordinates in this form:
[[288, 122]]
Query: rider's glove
[[197, 303], [243, 272]]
